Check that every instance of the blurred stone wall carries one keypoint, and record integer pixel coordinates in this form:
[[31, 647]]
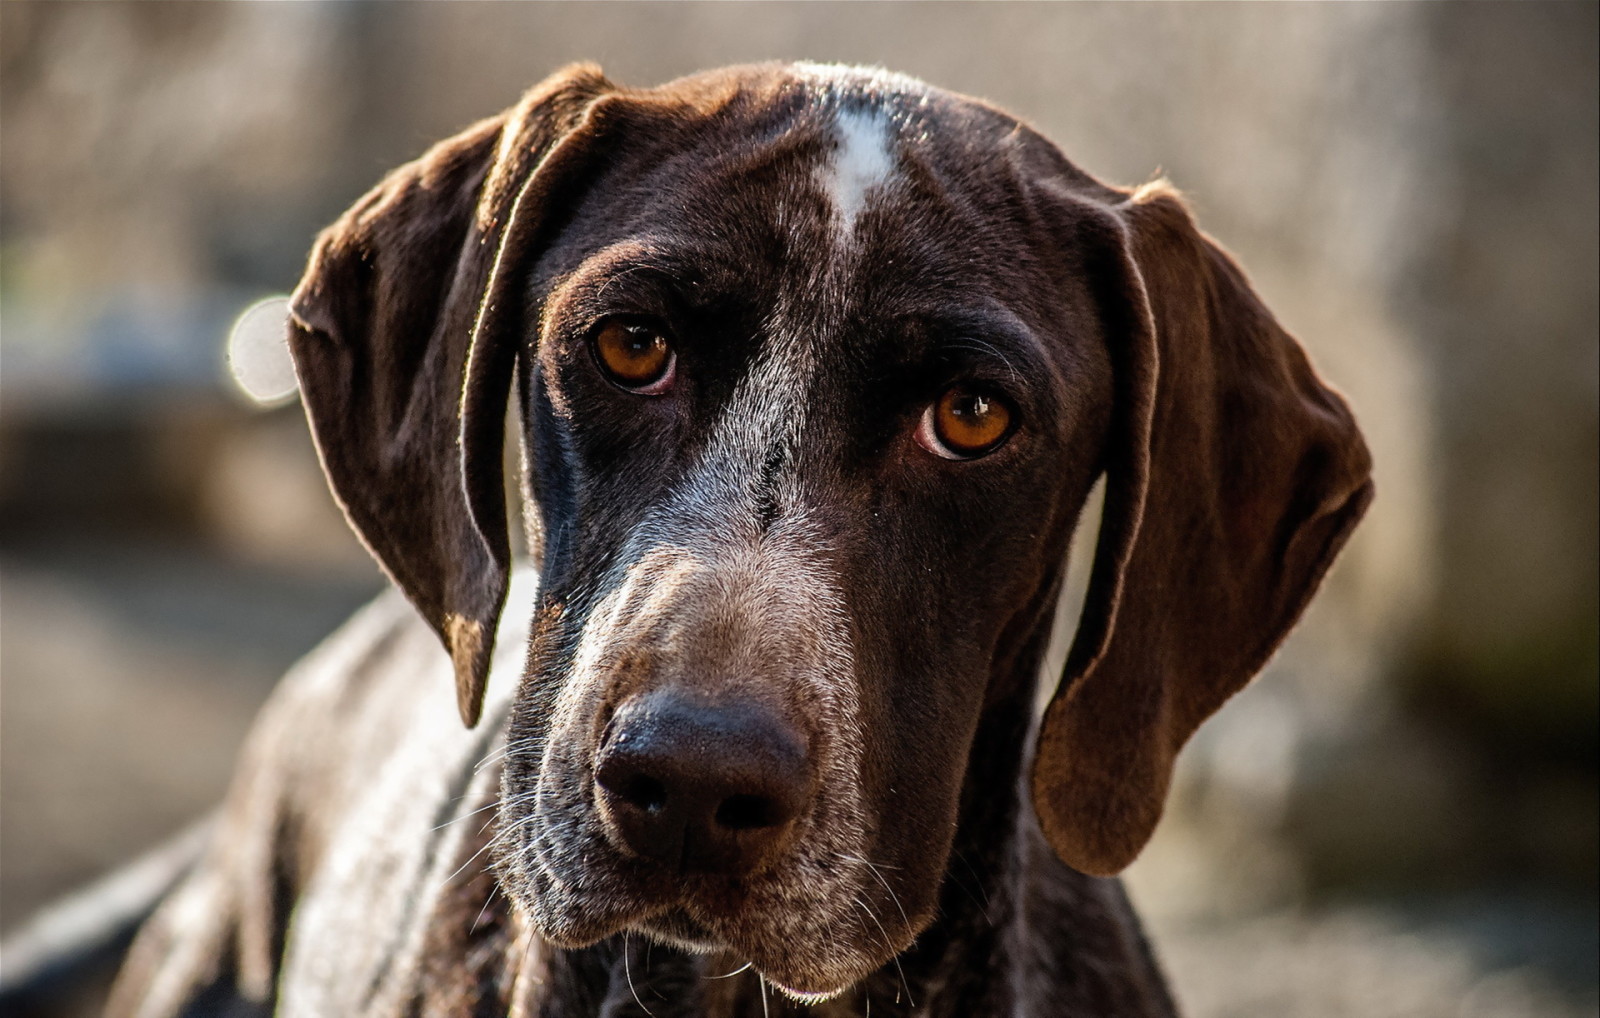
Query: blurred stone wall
[[1504, 301]]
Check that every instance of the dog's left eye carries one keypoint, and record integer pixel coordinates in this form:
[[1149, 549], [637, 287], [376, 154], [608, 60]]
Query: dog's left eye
[[635, 354], [965, 422]]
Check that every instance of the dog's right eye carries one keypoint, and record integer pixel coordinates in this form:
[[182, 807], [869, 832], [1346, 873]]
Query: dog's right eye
[[635, 354]]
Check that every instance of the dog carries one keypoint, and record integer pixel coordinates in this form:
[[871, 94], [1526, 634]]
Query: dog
[[815, 368]]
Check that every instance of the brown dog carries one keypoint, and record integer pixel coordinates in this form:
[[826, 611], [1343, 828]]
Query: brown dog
[[815, 369]]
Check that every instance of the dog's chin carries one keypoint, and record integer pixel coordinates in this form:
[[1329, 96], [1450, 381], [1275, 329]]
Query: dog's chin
[[676, 928], [786, 937], [805, 980]]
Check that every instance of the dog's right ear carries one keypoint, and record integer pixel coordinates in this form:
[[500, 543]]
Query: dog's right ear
[[404, 332]]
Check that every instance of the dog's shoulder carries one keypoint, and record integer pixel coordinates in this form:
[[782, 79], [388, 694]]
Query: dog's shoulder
[[353, 805]]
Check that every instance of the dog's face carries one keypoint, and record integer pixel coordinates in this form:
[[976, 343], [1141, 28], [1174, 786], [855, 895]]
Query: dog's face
[[841, 470], [816, 370]]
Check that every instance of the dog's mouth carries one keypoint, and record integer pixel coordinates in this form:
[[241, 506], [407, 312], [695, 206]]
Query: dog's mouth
[[811, 931], [677, 928], [697, 923]]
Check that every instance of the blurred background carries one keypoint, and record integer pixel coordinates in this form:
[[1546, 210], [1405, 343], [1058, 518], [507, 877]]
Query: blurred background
[[1398, 819]]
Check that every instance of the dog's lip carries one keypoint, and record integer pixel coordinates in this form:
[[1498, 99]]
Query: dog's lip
[[678, 927], [675, 923], [794, 985], [690, 928], [807, 996]]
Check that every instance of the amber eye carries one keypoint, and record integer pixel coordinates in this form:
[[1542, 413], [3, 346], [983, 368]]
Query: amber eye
[[635, 354], [964, 423]]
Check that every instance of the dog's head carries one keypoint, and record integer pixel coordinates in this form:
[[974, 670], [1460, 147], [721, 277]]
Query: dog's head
[[816, 369]]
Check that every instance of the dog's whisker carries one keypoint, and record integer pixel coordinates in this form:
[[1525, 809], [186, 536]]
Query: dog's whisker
[[888, 943], [625, 273], [977, 345], [983, 905], [627, 973], [542, 859], [490, 844], [892, 896], [479, 918], [729, 975], [466, 816], [866, 862], [506, 751]]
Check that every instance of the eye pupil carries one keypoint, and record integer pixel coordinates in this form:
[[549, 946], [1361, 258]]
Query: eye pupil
[[970, 422], [635, 355], [972, 407], [639, 341]]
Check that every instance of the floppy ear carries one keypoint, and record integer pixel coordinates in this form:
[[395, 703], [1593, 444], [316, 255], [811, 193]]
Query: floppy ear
[[1233, 477], [404, 332]]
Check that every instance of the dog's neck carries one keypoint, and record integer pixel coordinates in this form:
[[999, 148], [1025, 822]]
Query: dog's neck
[[1017, 931]]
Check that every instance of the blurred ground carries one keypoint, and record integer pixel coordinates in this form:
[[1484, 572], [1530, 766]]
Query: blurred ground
[[160, 658], [1399, 818]]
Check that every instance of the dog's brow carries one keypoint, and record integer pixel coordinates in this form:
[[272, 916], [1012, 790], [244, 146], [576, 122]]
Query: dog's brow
[[991, 334], [630, 279], [686, 277]]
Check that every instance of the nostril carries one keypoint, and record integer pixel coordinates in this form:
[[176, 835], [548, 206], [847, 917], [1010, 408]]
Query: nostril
[[644, 793], [628, 784], [748, 812]]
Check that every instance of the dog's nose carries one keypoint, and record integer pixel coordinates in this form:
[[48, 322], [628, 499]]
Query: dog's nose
[[704, 787]]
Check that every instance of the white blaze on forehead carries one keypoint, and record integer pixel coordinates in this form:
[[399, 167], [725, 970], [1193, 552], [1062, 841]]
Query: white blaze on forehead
[[861, 161]]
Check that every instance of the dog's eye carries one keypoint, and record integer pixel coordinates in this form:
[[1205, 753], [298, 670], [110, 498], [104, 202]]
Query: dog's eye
[[635, 354], [964, 423]]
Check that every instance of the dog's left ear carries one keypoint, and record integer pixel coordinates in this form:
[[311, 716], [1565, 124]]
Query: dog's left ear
[[404, 332], [1233, 478]]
